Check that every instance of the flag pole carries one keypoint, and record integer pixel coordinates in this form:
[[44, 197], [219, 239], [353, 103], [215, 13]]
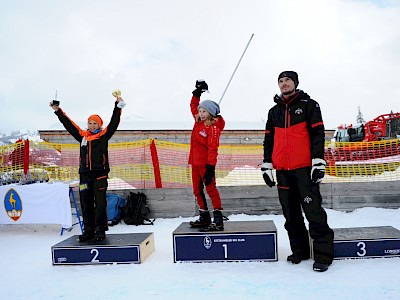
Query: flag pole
[[233, 74]]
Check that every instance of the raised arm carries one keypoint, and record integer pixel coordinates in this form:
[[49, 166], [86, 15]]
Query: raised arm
[[116, 115], [201, 86], [68, 124]]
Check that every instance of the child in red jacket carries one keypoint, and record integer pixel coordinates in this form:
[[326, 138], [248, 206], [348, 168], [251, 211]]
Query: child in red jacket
[[204, 145]]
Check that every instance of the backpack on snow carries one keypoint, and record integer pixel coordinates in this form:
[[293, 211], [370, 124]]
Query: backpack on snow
[[136, 210], [115, 205]]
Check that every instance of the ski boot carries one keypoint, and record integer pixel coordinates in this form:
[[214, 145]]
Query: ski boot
[[320, 267], [86, 236], [99, 236], [218, 224], [296, 258], [203, 221]]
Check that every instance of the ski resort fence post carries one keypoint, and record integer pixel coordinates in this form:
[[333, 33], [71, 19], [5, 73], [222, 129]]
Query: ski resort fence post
[[26, 156], [156, 164]]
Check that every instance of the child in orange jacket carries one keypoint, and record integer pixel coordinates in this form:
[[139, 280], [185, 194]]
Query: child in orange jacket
[[93, 167]]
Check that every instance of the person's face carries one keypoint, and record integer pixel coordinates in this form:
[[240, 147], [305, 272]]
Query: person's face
[[286, 86], [204, 115], [93, 126]]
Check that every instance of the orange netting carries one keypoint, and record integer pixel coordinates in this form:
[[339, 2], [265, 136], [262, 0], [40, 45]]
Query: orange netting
[[155, 163]]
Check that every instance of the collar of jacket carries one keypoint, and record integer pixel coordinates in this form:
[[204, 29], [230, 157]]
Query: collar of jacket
[[218, 121], [292, 99], [90, 137]]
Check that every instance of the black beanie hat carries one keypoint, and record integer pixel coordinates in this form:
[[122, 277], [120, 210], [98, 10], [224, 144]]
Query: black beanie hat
[[292, 75]]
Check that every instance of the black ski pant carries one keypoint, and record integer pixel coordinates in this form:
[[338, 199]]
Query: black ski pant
[[92, 192], [297, 191]]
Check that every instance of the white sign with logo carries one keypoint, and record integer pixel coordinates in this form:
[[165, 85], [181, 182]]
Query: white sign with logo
[[38, 203]]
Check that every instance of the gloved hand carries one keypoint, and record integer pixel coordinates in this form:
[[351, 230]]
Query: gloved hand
[[317, 170], [209, 174], [117, 94], [266, 169], [201, 87]]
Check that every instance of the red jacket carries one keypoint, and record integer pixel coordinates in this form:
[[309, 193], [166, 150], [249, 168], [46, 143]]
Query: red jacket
[[204, 141], [294, 133]]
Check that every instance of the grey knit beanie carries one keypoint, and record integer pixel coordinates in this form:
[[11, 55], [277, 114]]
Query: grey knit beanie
[[210, 106]]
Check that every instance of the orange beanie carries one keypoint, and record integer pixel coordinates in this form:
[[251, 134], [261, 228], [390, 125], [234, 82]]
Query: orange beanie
[[96, 118]]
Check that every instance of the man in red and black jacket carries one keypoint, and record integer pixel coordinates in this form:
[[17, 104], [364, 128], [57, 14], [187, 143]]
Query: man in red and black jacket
[[294, 147], [93, 168]]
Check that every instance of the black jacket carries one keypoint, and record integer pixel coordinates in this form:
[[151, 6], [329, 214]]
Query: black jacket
[[93, 155], [294, 132]]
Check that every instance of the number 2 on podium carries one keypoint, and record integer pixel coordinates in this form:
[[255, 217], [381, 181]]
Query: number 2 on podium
[[96, 253]]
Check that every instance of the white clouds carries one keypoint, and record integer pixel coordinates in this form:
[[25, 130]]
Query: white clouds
[[346, 54]]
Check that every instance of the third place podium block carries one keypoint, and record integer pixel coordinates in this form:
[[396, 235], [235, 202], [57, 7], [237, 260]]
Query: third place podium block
[[240, 241], [366, 242]]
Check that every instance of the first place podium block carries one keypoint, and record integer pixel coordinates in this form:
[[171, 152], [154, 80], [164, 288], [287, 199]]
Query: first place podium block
[[116, 248], [240, 241], [366, 242]]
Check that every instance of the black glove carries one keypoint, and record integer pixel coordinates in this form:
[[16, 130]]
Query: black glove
[[317, 170], [201, 87], [209, 174], [266, 169]]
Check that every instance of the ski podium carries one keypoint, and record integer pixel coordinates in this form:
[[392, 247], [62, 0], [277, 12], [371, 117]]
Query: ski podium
[[365, 242], [128, 248], [240, 241], [257, 241]]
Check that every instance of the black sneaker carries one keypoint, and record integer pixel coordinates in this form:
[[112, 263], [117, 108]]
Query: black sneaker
[[86, 236], [320, 267], [99, 236], [296, 258]]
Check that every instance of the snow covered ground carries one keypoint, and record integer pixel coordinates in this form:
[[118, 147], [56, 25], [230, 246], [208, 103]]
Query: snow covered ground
[[28, 273]]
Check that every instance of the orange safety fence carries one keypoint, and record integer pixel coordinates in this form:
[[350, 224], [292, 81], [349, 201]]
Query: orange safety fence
[[159, 164]]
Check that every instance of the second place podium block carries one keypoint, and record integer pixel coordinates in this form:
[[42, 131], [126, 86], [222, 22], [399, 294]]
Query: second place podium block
[[116, 248]]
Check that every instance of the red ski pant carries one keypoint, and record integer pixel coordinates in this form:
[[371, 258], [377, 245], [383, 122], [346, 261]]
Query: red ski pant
[[198, 189]]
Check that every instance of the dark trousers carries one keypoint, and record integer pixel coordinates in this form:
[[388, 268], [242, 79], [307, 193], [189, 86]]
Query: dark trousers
[[296, 192], [92, 192], [198, 189]]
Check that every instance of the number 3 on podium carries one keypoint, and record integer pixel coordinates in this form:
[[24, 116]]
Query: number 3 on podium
[[362, 249]]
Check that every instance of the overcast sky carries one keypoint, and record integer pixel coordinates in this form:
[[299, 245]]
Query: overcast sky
[[345, 52]]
